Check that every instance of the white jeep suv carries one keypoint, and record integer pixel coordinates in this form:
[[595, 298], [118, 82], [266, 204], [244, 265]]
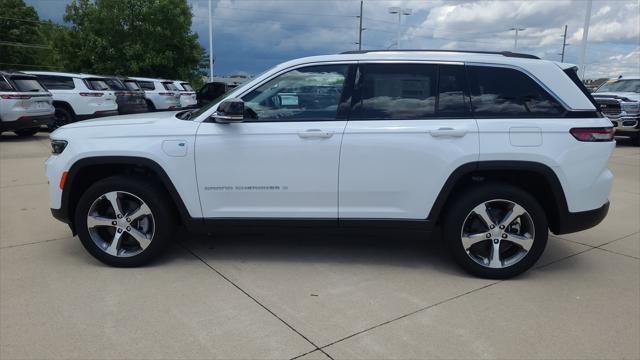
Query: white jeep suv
[[160, 94], [78, 96], [496, 149]]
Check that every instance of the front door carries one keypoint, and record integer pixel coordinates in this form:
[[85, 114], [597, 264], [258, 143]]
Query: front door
[[282, 160]]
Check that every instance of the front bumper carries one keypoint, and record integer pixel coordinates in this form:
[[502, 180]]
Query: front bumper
[[578, 221], [626, 124], [27, 122]]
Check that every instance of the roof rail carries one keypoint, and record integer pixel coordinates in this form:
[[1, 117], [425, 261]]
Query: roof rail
[[503, 53]]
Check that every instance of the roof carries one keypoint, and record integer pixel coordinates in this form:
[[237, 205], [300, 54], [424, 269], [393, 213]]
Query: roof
[[502, 53], [12, 72], [74, 75], [147, 79]]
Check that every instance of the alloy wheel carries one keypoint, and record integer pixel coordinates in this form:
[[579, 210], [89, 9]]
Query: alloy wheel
[[120, 224], [497, 233]]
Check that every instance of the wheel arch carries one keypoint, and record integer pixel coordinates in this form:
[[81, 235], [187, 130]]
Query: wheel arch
[[534, 177], [65, 105], [87, 171]]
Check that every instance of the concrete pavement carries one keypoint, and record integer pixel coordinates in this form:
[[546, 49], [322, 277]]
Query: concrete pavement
[[308, 295]]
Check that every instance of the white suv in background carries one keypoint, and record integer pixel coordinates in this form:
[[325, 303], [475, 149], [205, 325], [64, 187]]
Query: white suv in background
[[496, 149], [187, 94], [78, 96], [160, 94], [25, 105]]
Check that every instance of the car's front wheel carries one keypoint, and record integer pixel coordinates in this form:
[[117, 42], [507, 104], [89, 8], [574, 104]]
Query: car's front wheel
[[26, 132], [495, 230], [124, 221]]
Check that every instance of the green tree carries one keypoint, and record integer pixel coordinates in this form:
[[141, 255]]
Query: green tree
[[129, 37], [21, 39]]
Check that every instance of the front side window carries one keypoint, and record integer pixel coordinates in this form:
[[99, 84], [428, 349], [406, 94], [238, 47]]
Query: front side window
[[304, 94], [53, 82], [452, 91], [395, 91], [504, 92]]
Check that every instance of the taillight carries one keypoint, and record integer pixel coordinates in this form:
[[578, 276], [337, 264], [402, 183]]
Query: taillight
[[593, 134], [17, 97], [94, 94], [166, 94]]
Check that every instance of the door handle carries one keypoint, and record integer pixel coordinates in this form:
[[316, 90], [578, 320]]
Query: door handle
[[448, 132], [315, 134]]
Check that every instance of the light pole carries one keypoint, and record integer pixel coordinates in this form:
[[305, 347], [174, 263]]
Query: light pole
[[400, 12], [564, 43], [210, 45], [360, 28], [517, 29], [585, 35]]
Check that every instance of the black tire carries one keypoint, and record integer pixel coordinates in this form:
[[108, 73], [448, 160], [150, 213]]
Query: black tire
[[462, 205], [155, 198], [636, 139], [62, 117], [26, 132], [150, 106]]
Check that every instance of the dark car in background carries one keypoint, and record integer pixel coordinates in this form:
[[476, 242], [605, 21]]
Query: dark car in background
[[210, 92], [129, 95]]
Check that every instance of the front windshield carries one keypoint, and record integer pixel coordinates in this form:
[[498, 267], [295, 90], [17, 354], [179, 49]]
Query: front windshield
[[630, 85]]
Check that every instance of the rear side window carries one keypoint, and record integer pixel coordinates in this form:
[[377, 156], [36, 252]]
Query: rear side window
[[96, 84], [115, 84], [395, 91], [53, 82], [169, 86], [28, 84], [4, 85], [502, 92], [131, 85], [147, 85]]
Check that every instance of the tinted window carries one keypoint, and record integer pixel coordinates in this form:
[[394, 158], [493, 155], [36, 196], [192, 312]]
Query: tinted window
[[57, 82], [4, 85], [131, 85], [96, 84], [631, 85], [186, 86], [311, 93], [147, 85], [452, 91], [393, 91], [170, 86], [115, 84], [502, 92], [27, 84]]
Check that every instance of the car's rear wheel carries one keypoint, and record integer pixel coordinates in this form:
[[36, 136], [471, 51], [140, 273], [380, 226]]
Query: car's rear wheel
[[495, 230], [124, 221], [62, 117], [26, 132]]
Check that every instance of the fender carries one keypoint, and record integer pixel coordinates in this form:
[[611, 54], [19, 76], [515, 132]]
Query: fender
[[497, 165], [65, 214]]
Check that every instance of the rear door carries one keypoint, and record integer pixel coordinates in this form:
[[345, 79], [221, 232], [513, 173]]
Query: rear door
[[410, 127]]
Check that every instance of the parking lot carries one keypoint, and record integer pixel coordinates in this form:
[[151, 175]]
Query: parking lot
[[315, 296]]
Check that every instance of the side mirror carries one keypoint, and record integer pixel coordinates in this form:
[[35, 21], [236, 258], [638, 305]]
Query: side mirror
[[229, 111]]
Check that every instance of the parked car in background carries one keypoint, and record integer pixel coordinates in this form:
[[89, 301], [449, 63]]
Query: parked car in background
[[619, 100], [160, 94], [25, 104], [211, 91], [129, 97], [187, 95], [78, 96]]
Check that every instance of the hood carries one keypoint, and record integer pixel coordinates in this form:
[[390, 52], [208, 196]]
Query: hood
[[124, 120], [627, 96]]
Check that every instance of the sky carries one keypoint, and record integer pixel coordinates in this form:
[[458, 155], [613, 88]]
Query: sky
[[250, 36]]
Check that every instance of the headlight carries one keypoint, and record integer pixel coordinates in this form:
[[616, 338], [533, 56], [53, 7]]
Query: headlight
[[631, 107], [58, 146]]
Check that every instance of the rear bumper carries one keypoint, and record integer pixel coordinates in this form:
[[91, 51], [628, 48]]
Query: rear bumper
[[578, 221], [27, 122], [97, 114]]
